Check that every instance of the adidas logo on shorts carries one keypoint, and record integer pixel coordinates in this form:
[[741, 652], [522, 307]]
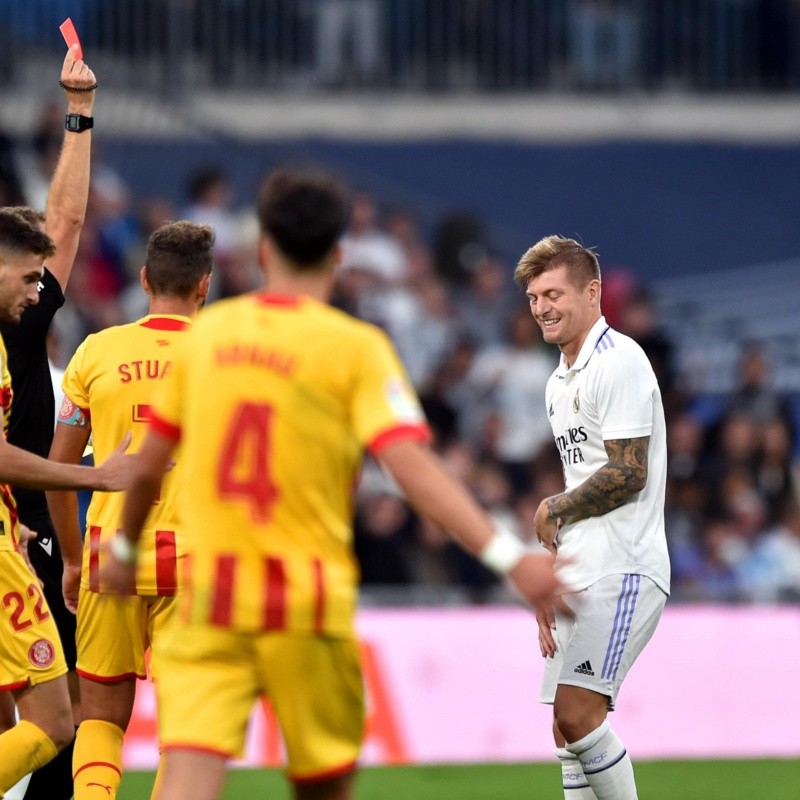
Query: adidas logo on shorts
[[585, 668]]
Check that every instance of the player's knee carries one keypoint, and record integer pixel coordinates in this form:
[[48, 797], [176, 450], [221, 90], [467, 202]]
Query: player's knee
[[575, 721], [61, 728]]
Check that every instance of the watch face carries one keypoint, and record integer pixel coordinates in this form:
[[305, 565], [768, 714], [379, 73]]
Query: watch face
[[78, 123]]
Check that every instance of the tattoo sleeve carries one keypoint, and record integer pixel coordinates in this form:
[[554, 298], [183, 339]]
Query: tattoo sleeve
[[611, 486]]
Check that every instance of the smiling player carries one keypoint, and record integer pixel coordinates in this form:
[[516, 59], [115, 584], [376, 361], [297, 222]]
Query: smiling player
[[607, 527]]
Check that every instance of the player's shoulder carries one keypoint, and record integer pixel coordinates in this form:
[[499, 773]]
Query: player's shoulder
[[349, 325], [613, 345], [324, 320], [618, 357], [110, 335]]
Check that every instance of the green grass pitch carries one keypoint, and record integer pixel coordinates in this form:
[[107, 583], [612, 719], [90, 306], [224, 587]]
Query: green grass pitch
[[657, 780]]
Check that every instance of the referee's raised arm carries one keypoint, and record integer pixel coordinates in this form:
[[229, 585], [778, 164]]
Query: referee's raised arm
[[69, 190]]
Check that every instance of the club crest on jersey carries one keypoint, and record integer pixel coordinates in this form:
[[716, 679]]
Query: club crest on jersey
[[67, 409], [402, 401], [576, 403], [42, 653]]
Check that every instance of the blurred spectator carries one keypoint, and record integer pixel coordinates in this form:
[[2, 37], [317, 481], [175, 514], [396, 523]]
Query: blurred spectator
[[685, 445], [604, 43], [382, 530], [774, 467], [210, 196], [403, 227], [460, 243], [755, 394], [772, 571], [486, 303], [716, 577], [638, 319], [731, 455], [512, 378], [451, 389], [432, 334], [348, 41], [10, 185], [684, 520], [368, 248], [37, 160]]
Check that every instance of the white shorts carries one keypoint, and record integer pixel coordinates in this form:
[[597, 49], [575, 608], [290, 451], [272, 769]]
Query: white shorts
[[614, 619]]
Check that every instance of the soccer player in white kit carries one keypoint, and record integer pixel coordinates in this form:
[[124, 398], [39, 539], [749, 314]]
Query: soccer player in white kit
[[607, 527]]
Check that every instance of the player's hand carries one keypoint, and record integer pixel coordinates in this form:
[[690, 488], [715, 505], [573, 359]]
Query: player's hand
[[75, 73], [536, 581], [116, 577], [545, 618], [70, 586], [116, 472], [546, 527], [26, 535]]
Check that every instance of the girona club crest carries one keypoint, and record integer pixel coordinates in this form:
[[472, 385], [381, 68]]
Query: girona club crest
[[42, 654]]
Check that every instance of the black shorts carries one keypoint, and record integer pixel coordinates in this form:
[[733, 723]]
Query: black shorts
[[46, 559]]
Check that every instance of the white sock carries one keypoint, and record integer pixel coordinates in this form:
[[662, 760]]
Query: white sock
[[576, 787], [606, 764]]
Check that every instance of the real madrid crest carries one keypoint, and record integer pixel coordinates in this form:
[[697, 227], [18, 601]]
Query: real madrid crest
[[576, 403]]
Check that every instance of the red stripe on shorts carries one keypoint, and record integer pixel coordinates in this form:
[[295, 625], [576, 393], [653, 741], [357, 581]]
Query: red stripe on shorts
[[275, 610], [94, 558], [11, 505], [166, 563], [222, 604], [319, 591]]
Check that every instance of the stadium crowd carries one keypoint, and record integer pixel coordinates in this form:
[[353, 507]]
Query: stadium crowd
[[477, 359]]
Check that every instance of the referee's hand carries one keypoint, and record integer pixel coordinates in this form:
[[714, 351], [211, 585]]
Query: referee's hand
[[77, 80], [27, 535]]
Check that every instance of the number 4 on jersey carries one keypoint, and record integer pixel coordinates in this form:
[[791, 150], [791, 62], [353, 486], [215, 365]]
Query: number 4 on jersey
[[243, 472]]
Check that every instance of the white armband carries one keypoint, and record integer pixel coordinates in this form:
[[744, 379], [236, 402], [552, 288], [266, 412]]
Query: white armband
[[123, 549], [503, 552]]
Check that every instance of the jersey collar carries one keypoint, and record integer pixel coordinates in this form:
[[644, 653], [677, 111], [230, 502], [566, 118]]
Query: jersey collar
[[165, 322], [595, 332], [285, 300]]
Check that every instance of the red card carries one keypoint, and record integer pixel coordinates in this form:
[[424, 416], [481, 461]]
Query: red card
[[71, 36]]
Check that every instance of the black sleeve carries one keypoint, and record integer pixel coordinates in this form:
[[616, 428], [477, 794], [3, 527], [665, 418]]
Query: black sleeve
[[33, 411]]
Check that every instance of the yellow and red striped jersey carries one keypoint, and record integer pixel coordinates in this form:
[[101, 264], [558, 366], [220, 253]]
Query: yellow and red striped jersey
[[112, 377], [274, 400], [9, 525]]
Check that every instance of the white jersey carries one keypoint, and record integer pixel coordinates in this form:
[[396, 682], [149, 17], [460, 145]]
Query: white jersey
[[610, 392]]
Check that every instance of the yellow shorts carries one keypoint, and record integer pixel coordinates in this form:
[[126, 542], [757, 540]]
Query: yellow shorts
[[115, 632], [210, 679], [30, 649]]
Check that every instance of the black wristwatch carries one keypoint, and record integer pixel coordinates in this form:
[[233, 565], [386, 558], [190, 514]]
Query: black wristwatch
[[77, 123]]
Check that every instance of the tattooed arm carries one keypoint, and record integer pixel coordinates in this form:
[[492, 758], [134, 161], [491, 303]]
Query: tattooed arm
[[610, 487]]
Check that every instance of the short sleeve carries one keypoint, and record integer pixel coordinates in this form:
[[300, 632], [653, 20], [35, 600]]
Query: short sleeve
[[624, 396], [74, 382], [384, 406]]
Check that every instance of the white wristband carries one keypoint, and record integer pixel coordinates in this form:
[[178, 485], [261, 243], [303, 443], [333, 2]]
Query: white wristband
[[503, 552], [123, 549]]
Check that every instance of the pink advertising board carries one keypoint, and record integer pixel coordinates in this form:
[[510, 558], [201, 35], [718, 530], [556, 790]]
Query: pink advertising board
[[461, 685]]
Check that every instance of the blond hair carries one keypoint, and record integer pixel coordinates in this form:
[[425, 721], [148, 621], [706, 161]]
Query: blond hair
[[558, 251]]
